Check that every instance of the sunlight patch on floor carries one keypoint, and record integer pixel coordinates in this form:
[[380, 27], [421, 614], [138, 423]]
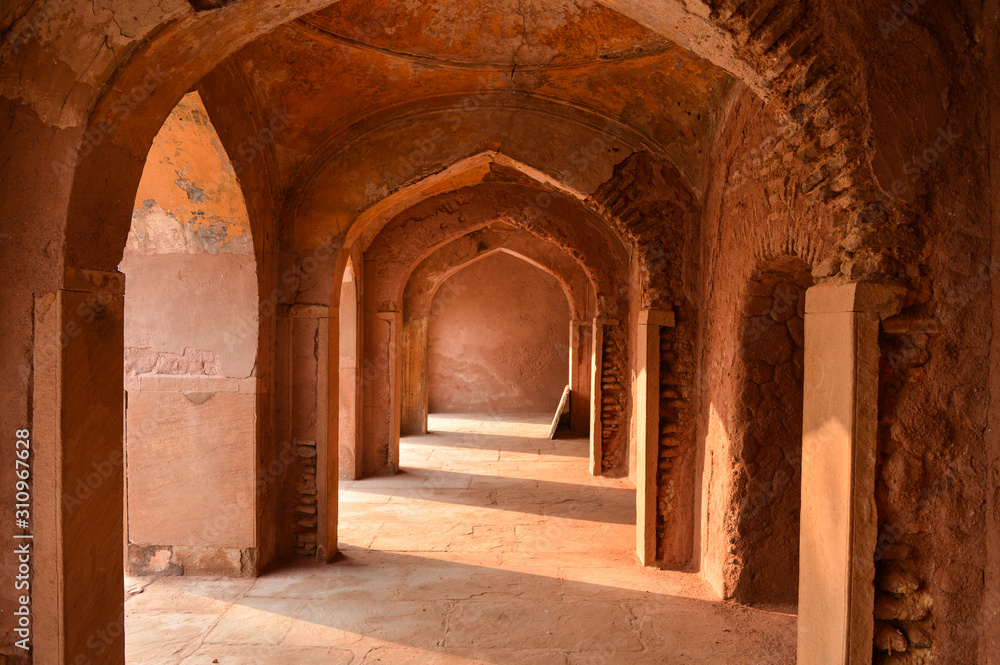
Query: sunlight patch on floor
[[485, 550], [528, 425]]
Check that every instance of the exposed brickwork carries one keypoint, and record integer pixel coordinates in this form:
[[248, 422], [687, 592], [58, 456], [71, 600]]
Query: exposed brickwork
[[653, 210], [614, 400], [903, 606], [767, 438], [305, 509], [676, 439], [824, 145]]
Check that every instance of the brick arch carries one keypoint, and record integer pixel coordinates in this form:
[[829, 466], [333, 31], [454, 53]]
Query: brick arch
[[645, 209], [815, 88], [539, 194], [648, 204], [391, 150], [796, 60], [426, 278]]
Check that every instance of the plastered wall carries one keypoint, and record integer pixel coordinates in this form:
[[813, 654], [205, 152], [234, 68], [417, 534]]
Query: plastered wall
[[498, 340]]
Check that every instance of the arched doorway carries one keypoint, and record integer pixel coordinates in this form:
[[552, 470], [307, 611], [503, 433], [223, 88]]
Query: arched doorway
[[497, 340], [191, 335]]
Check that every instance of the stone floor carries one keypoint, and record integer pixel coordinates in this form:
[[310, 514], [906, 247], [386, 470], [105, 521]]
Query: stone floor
[[493, 546]]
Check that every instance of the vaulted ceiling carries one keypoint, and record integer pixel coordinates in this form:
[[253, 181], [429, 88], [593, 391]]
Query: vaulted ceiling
[[527, 78]]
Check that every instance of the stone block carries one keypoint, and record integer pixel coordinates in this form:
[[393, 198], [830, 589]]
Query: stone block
[[191, 470]]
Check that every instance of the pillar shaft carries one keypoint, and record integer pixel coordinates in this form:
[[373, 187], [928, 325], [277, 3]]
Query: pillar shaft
[[78, 460], [839, 520], [596, 431], [390, 335], [414, 396], [327, 450], [579, 380], [647, 413]]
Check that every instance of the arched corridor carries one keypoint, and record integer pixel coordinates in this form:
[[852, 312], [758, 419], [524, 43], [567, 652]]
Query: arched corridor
[[297, 292]]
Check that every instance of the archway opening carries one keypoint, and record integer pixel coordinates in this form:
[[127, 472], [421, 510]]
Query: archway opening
[[191, 333], [485, 503]]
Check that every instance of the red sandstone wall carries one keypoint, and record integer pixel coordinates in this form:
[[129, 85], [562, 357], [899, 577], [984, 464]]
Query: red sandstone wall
[[190, 351], [498, 339]]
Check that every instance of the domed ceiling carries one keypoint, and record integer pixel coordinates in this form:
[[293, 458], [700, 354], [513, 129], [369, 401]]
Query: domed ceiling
[[513, 68], [491, 35]]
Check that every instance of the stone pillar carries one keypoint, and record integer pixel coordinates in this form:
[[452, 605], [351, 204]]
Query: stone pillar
[[347, 419], [348, 366], [574, 354], [596, 432], [414, 393], [327, 436], [647, 412], [315, 531], [394, 320], [579, 380], [839, 520], [327, 440], [78, 459]]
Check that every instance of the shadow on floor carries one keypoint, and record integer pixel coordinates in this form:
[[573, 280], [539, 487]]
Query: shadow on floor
[[610, 505], [397, 608], [470, 557]]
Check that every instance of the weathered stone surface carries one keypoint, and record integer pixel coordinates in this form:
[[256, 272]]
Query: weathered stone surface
[[896, 580], [207, 499], [889, 639], [907, 607]]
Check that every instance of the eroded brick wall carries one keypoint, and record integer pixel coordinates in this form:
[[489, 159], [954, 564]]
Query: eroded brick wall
[[906, 493], [675, 460], [767, 438], [614, 401]]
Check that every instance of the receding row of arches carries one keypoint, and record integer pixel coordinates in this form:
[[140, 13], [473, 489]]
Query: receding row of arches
[[388, 279], [378, 345], [684, 295]]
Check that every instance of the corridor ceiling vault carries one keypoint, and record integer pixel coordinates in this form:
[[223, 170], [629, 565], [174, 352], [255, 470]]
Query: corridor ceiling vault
[[409, 88]]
